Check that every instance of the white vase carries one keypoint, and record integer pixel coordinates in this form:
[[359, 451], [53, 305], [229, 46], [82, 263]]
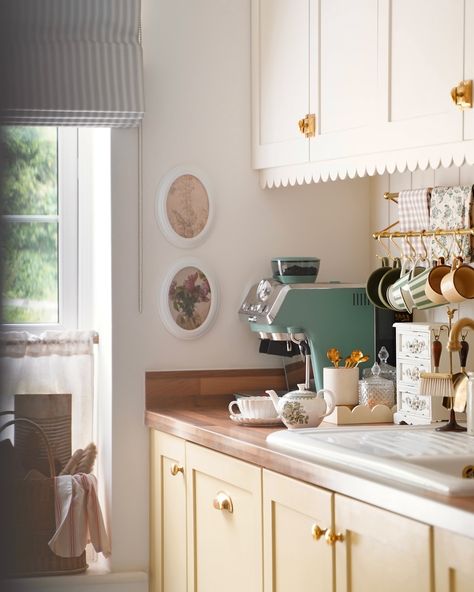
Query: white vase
[[343, 382]]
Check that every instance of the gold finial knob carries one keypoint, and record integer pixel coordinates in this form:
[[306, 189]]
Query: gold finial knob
[[175, 469], [318, 532], [332, 538], [223, 501], [462, 94]]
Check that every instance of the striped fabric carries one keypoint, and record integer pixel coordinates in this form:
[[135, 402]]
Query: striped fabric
[[78, 516], [71, 62]]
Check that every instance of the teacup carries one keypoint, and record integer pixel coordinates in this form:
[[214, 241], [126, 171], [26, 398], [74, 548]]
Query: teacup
[[458, 284], [421, 287], [254, 408]]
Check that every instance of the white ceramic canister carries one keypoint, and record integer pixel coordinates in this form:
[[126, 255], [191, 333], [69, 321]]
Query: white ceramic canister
[[344, 383], [470, 404]]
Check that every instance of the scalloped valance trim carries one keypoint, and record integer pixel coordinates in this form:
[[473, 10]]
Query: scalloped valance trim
[[422, 158]]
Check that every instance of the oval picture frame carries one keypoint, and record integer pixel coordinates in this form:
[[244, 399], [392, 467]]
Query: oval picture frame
[[184, 206], [186, 280]]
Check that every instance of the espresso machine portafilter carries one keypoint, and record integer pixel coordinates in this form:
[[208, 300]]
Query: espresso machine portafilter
[[323, 315]]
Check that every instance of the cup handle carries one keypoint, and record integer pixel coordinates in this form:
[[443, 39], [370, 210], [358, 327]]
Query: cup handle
[[331, 403], [231, 404]]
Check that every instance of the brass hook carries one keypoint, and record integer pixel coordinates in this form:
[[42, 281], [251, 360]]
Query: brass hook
[[424, 255], [387, 250]]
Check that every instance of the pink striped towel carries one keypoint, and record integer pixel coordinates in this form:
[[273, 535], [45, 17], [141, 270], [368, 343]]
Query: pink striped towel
[[78, 516], [413, 207]]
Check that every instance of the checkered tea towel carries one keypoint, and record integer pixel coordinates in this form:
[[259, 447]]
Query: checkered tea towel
[[450, 209], [413, 208]]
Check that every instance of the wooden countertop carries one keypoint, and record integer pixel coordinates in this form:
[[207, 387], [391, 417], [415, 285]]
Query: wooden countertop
[[204, 420]]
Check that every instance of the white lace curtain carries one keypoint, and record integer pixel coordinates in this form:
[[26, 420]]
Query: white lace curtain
[[53, 362]]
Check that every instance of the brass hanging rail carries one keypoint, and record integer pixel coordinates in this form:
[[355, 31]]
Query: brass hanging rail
[[412, 233]]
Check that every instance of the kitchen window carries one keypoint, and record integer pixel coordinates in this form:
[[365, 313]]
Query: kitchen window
[[39, 207]]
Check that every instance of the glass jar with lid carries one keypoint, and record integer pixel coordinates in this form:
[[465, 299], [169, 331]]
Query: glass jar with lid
[[375, 390]]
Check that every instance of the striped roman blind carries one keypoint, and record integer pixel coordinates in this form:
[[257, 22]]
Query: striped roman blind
[[71, 62]]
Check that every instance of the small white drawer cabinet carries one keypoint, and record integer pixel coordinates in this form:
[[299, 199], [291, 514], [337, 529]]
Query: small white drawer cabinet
[[414, 356]]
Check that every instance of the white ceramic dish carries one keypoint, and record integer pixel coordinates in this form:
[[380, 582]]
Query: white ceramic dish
[[256, 421]]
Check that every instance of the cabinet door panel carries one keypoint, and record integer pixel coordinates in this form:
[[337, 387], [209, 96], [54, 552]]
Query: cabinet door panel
[[425, 58], [168, 515], [469, 65], [293, 559], [280, 71], [224, 548], [454, 562], [347, 101], [381, 550]]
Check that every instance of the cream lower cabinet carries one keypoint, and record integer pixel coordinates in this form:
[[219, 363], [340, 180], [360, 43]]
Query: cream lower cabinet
[[454, 562], [380, 550], [224, 523], [295, 517], [167, 514]]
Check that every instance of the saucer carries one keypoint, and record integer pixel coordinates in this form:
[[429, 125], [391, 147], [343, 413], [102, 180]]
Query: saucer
[[256, 421]]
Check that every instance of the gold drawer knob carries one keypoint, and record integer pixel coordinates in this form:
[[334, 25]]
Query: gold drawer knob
[[332, 538], [223, 501], [462, 94], [175, 469], [318, 532]]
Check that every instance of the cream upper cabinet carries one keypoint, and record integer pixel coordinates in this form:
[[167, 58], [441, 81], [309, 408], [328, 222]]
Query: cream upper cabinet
[[295, 517], [346, 78], [167, 514], [224, 523], [377, 75], [454, 562], [380, 550], [280, 80], [423, 49]]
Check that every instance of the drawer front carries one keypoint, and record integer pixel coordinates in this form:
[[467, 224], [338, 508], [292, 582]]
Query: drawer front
[[415, 404], [408, 371], [414, 344]]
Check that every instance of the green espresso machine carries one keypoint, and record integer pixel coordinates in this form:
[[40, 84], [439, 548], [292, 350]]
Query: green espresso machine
[[325, 315]]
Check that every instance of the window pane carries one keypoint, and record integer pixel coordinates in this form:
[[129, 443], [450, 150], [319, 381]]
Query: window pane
[[31, 171], [31, 273]]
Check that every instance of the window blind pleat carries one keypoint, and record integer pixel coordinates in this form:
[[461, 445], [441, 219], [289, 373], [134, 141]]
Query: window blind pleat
[[71, 62]]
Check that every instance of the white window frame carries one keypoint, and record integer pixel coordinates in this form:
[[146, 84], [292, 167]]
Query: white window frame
[[67, 219]]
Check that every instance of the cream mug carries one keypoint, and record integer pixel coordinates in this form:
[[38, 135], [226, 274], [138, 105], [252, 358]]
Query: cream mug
[[458, 284], [254, 408], [421, 287]]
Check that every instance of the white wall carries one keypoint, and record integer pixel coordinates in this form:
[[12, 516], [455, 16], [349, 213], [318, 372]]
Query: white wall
[[197, 74], [197, 70]]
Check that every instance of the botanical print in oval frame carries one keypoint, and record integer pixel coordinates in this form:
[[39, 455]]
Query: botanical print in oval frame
[[184, 207], [188, 299]]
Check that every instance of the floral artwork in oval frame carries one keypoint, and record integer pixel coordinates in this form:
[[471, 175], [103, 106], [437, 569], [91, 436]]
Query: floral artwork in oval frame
[[189, 299], [184, 207]]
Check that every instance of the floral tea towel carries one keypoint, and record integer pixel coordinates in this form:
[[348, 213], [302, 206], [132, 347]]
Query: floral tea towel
[[451, 209], [413, 208]]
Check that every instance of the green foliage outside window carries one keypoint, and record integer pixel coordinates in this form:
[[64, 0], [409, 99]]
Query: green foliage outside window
[[30, 288]]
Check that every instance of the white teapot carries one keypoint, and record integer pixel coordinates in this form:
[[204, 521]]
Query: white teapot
[[303, 408]]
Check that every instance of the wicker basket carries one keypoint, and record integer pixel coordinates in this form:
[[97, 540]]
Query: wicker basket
[[32, 524]]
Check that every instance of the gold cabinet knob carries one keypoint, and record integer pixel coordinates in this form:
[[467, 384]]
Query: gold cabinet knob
[[307, 125], [462, 94], [332, 538], [318, 532], [175, 469], [223, 501]]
